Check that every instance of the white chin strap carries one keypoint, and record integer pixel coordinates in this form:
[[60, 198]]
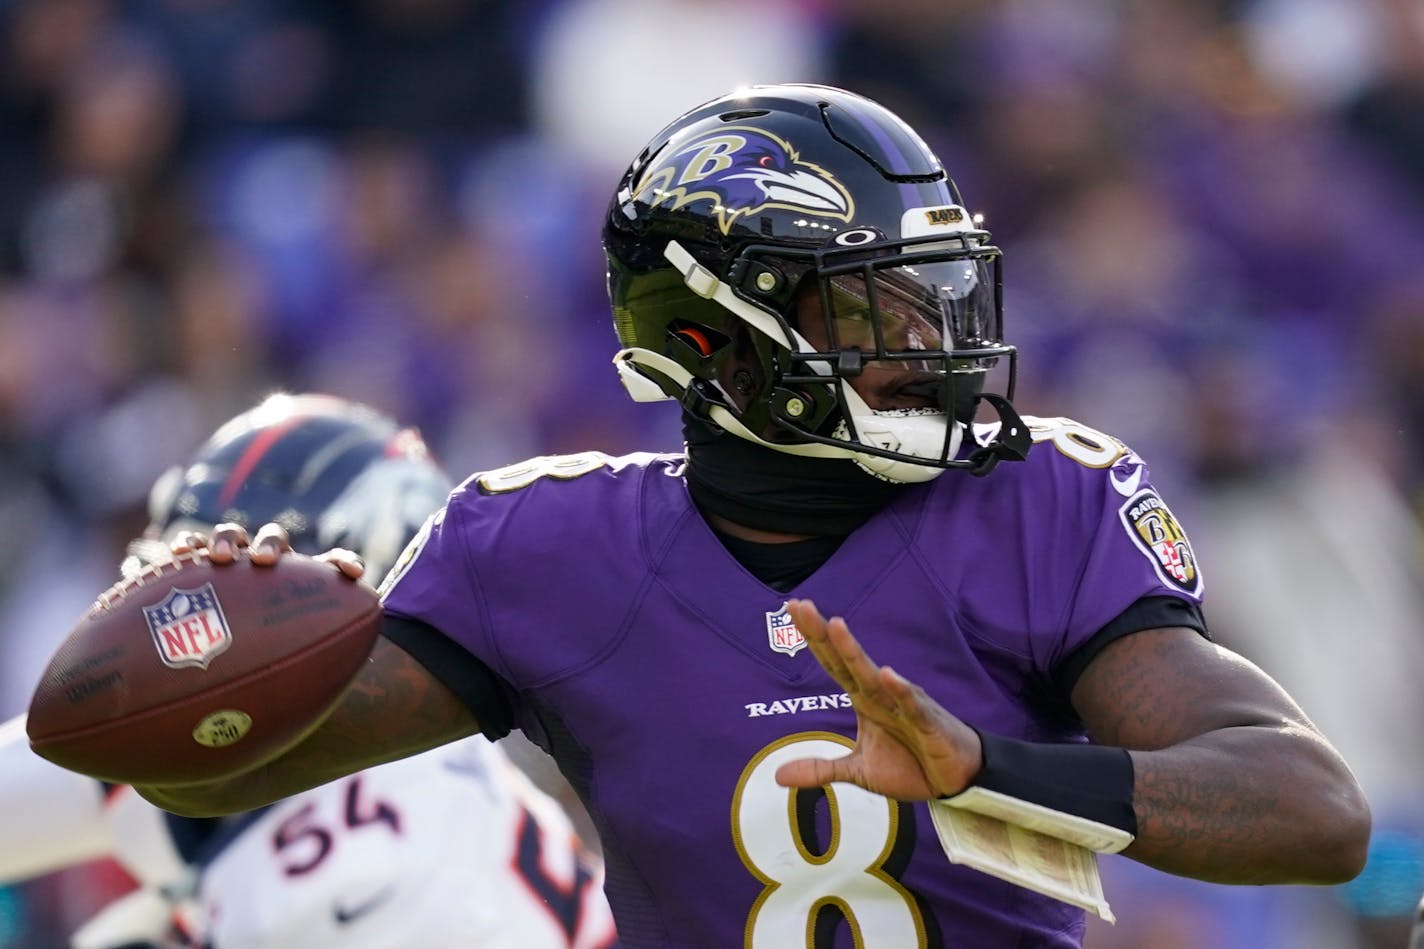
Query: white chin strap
[[918, 432], [908, 431]]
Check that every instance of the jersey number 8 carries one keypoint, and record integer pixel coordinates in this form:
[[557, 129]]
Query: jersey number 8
[[847, 874]]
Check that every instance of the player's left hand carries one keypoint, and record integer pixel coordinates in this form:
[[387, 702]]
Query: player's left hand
[[907, 745]]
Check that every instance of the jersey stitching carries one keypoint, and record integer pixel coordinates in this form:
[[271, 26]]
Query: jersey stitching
[[922, 560], [614, 640], [454, 520], [651, 558]]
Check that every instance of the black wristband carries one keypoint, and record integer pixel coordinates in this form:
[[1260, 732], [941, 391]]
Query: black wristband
[[1092, 781]]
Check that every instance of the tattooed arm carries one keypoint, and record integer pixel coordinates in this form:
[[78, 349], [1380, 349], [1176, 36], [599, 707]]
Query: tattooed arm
[[393, 709], [1232, 782]]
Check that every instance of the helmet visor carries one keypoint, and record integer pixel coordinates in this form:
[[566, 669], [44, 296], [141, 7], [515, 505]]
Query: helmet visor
[[940, 308]]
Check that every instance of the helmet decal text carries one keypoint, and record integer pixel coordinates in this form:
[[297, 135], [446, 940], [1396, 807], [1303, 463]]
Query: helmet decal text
[[742, 170]]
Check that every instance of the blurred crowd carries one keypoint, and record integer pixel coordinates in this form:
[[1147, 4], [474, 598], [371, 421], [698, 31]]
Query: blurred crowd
[[1212, 213]]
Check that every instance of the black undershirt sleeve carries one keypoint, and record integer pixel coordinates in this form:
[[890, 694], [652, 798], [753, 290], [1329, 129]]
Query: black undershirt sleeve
[[1149, 612], [485, 694]]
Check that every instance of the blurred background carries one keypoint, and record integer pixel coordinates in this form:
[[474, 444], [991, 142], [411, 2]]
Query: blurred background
[[1212, 213]]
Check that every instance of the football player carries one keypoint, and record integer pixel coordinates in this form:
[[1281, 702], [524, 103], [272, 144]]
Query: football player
[[792, 265], [452, 847]]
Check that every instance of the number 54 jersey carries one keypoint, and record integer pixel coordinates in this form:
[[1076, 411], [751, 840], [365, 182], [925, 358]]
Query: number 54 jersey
[[669, 683], [448, 849]]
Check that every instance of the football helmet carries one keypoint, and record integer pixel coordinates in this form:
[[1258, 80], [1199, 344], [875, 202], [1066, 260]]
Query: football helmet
[[333, 473], [770, 248]]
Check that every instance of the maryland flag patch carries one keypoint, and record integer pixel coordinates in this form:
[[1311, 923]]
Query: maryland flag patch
[[1155, 531]]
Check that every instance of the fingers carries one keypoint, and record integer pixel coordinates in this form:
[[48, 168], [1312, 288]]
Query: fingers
[[914, 709], [807, 618], [863, 671], [347, 561], [813, 772], [812, 627], [225, 542], [837, 650], [905, 699], [185, 542], [876, 689], [228, 540], [269, 545]]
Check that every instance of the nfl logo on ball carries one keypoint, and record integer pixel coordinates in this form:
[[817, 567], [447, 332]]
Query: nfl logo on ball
[[188, 627], [782, 633]]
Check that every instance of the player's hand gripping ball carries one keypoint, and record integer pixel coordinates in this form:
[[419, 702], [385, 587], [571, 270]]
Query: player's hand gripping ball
[[190, 672]]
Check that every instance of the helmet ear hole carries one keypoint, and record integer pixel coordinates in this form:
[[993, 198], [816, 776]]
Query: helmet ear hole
[[700, 341], [696, 339]]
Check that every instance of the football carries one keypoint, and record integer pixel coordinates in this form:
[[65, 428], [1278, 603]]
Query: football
[[191, 672]]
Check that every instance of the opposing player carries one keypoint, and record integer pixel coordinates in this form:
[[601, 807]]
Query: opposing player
[[452, 847], [794, 267]]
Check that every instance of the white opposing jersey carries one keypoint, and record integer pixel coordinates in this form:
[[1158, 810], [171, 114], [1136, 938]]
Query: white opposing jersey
[[453, 847]]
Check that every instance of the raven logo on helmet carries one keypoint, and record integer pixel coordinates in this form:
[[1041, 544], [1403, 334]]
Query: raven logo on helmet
[[742, 170]]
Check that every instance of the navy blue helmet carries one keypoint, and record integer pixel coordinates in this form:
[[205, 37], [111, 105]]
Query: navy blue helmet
[[334, 473]]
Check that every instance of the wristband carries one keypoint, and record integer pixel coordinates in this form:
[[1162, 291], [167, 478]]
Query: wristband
[[1090, 781]]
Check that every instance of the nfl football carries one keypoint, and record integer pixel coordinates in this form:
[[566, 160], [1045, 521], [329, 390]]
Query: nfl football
[[191, 672]]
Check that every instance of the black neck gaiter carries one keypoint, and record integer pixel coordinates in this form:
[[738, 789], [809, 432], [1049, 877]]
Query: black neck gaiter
[[771, 490]]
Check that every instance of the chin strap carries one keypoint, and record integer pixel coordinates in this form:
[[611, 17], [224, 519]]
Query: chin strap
[[705, 284], [1012, 444], [698, 400]]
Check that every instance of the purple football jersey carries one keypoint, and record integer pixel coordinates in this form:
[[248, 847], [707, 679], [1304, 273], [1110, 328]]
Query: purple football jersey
[[669, 684]]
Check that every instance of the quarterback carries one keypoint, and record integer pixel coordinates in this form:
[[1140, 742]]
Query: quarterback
[[1014, 606]]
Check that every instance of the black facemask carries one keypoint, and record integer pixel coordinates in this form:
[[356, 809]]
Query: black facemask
[[771, 490]]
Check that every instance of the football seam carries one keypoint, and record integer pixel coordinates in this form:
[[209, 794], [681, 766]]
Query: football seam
[[121, 589], [244, 679]]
